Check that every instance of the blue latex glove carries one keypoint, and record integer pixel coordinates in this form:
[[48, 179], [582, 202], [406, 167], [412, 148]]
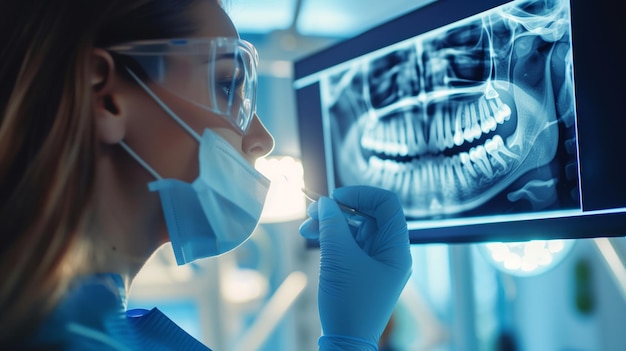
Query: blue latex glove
[[363, 268]]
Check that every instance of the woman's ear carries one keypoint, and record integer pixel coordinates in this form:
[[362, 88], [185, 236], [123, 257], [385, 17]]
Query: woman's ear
[[107, 97]]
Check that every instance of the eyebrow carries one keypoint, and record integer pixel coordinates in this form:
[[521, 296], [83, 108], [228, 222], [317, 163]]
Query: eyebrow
[[230, 56]]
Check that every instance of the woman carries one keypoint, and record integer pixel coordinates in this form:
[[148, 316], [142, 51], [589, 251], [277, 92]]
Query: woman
[[115, 140]]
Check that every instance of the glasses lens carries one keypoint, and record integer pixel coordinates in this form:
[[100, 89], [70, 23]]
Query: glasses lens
[[232, 76], [217, 74]]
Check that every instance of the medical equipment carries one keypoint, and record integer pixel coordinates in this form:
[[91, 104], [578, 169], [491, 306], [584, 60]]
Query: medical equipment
[[430, 104], [313, 196], [216, 74]]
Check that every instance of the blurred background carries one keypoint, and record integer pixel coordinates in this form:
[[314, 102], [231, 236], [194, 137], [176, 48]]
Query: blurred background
[[262, 296]]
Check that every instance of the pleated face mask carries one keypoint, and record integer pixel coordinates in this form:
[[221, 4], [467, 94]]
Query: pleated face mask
[[220, 209]]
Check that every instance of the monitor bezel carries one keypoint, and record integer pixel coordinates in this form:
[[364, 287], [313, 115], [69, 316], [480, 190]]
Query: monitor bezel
[[594, 106]]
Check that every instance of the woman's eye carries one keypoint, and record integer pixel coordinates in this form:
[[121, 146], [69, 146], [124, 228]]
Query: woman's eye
[[226, 87], [229, 86]]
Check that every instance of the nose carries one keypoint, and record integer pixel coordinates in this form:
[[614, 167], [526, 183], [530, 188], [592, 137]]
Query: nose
[[257, 142]]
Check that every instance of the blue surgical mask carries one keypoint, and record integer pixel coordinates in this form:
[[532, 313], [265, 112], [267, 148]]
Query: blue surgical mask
[[220, 209]]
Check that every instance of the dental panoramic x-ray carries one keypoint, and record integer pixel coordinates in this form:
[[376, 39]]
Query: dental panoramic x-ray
[[492, 120], [463, 120]]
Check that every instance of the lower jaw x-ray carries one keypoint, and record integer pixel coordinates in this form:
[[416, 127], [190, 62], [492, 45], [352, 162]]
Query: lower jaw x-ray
[[470, 119]]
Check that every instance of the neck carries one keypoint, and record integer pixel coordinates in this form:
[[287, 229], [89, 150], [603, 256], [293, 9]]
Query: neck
[[126, 225]]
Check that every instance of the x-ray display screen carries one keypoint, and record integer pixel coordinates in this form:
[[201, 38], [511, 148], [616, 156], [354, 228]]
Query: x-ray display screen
[[472, 123]]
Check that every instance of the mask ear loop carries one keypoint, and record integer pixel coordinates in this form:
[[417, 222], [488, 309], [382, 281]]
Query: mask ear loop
[[164, 106], [140, 160], [168, 111]]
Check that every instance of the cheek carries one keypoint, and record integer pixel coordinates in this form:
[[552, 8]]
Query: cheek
[[187, 79], [196, 117], [162, 143]]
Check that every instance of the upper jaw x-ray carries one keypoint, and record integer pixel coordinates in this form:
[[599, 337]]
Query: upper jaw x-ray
[[465, 119]]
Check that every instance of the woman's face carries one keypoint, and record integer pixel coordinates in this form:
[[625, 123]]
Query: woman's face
[[159, 140], [126, 215]]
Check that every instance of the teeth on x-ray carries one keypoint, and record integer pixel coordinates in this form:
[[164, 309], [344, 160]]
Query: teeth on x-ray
[[406, 136], [449, 119]]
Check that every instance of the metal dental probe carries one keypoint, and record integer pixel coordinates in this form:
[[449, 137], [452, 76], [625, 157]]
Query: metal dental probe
[[313, 196]]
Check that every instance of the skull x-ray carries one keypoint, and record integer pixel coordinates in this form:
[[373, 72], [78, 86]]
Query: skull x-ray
[[474, 118]]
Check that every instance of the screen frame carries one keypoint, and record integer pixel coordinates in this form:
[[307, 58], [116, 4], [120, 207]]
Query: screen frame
[[598, 110]]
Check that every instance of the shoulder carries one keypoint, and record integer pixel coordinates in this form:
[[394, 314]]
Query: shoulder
[[93, 305], [93, 317]]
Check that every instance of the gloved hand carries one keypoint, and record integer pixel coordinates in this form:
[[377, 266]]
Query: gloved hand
[[363, 268]]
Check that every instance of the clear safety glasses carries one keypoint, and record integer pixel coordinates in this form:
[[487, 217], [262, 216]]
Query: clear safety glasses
[[217, 74]]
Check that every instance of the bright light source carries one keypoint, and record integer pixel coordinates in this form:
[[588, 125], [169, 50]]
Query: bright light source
[[252, 16], [285, 201], [243, 286], [526, 258]]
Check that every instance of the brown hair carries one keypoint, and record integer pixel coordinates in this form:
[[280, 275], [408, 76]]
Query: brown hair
[[47, 138]]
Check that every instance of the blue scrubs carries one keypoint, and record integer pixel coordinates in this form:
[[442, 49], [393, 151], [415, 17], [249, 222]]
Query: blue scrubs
[[93, 317]]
